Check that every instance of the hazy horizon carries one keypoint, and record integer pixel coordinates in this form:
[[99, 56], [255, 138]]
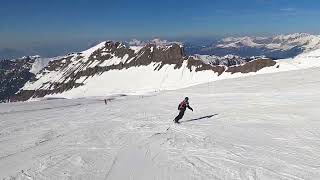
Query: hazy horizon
[[53, 27]]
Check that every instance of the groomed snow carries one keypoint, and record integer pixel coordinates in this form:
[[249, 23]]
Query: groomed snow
[[257, 127]]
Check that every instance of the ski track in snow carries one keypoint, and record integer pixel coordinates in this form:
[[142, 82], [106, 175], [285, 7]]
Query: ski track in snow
[[256, 127]]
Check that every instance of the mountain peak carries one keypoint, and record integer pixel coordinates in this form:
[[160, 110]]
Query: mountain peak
[[156, 65]]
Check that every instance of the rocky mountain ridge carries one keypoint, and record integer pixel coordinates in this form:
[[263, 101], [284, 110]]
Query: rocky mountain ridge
[[75, 70]]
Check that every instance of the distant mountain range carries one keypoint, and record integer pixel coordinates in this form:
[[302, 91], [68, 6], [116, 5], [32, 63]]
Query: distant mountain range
[[277, 47], [144, 66]]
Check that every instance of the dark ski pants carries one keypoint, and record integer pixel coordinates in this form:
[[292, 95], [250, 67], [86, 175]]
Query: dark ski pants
[[180, 116]]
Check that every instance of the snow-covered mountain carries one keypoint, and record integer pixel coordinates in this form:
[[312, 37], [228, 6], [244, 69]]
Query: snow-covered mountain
[[305, 41], [279, 46], [114, 68], [139, 67]]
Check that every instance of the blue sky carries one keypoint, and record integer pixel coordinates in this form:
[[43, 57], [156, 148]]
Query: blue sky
[[52, 23]]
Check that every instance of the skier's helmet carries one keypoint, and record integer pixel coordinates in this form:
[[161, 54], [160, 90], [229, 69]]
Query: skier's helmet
[[186, 98]]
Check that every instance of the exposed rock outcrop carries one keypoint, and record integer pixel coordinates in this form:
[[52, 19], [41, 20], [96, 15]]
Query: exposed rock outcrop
[[72, 70], [252, 66]]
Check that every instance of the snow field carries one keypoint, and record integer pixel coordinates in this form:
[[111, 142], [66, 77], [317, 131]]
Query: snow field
[[256, 127]]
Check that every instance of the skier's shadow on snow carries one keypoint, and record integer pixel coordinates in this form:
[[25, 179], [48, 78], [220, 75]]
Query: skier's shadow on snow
[[197, 119]]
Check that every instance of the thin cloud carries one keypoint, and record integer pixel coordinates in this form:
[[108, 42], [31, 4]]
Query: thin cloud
[[288, 9]]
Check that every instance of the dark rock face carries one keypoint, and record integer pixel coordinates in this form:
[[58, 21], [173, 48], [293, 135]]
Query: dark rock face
[[13, 75], [200, 66], [172, 55], [116, 56], [252, 66]]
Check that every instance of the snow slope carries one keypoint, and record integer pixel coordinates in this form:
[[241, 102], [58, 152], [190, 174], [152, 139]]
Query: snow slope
[[138, 80], [40, 63], [112, 68], [257, 127], [145, 79], [141, 80], [305, 60]]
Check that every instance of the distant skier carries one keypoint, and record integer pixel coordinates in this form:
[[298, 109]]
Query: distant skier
[[182, 108]]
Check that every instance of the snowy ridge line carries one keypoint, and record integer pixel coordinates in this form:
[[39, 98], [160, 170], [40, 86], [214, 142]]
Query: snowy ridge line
[[92, 72], [80, 63]]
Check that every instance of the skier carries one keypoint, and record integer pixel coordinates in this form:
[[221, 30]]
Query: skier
[[182, 108]]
